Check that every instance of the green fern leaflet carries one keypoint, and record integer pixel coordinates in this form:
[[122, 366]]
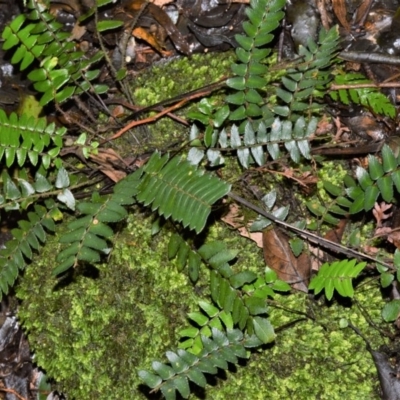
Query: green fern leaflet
[[337, 275]]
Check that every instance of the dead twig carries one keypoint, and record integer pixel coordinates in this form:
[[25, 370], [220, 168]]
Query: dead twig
[[180, 101], [338, 248], [366, 85], [12, 391]]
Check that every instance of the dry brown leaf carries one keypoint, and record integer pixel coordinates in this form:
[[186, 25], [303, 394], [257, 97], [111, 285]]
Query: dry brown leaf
[[392, 235], [108, 157], [279, 257], [335, 235], [339, 8], [161, 3], [118, 111], [319, 256], [141, 33], [234, 219], [77, 32], [379, 212], [114, 174]]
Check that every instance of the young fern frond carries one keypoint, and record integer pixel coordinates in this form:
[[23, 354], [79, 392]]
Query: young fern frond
[[367, 97], [337, 205], [257, 122], [18, 194], [28, 239], [380, 179], [309, 77], [214, 342], [337, 275], [178, 248], [21, 192], [249, 70]]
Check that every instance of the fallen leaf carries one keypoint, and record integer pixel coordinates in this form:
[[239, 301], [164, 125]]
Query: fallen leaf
[[379, 212], [141, 33], [279, 257], [108, 157], [339, 8], [114, 174], [234, 219], [319, 256], [335, 235]]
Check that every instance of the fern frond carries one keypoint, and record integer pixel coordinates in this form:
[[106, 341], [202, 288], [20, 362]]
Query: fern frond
[[25, 138], [264, 17], [88, 235], [337, 275], [63, 71], [310, 77], [367, 97], [184, 367], [178, 248], [381, 178], [260, 125], [21, 192], [179, 190], [336, 205], [28, 239]]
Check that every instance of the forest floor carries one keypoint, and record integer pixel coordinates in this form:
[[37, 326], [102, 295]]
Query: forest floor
[[205, 27]]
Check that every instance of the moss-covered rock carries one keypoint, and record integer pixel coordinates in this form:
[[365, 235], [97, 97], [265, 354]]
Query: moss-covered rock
[[93, 332]]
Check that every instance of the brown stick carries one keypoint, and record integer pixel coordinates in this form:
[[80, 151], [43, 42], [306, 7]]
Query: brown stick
[[12, 391]]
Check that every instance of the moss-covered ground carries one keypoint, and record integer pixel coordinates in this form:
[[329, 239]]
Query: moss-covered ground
[[93, 330]]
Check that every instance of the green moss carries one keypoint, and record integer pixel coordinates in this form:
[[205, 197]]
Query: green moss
[[172, 78], [182, 74], [94, 334], [313, 359], [332, 172]]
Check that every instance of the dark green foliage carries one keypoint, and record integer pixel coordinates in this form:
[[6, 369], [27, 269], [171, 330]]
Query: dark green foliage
[[218, 350], [30, 235], [63, 71], [179, 190], [239, 301], [87, 236], [309, 78], [185, 256], [257, 120], [264, 18], [24, 138], [329, 211], [367, 97], [28, 239], [263, 115], [381, 179]]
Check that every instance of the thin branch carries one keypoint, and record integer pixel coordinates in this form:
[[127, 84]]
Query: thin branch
[[338, 248], [365, 85], [12, 391]]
